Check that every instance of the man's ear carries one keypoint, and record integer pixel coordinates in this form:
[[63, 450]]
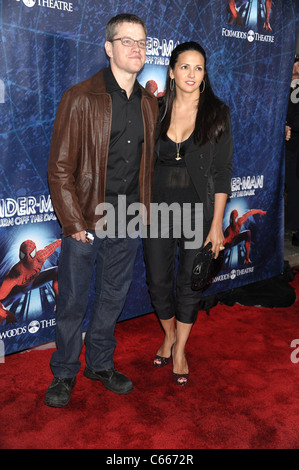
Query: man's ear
[[108, 48]]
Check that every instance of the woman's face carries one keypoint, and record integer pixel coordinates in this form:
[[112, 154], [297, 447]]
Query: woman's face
[[189, 71]]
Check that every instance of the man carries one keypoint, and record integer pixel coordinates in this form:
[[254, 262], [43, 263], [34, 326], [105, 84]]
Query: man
[[102, 147]]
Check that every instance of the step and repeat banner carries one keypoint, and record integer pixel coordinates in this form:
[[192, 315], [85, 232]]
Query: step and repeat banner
[[46, 46]]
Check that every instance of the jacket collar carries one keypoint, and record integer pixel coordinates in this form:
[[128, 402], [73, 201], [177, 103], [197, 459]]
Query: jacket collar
[[112, 85], [98, 85]]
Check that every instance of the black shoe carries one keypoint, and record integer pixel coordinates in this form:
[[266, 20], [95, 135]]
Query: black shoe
[[113, 380], [59, 392]]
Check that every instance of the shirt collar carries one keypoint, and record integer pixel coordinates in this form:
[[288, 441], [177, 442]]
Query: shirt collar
[[112, 85]]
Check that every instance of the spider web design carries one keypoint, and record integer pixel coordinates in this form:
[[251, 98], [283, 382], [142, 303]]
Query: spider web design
[[253, 79], [44, 51], [51, 62]]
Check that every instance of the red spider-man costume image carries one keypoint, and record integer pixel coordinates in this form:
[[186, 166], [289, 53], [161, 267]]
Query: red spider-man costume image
[[235, 15], [152, 86], [27, 272], [233, 234]]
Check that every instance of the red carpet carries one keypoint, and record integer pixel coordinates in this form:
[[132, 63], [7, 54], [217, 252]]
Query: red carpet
[[243, 391]]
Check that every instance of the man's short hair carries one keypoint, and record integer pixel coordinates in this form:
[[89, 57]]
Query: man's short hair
[[112, 24]]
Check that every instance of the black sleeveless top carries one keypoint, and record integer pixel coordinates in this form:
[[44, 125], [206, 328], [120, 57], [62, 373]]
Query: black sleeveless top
[[172, 182]]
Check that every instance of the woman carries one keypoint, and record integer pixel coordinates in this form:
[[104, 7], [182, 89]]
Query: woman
[[193, 165]]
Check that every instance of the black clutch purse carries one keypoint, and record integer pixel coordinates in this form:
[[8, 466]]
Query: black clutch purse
[[202, 267]]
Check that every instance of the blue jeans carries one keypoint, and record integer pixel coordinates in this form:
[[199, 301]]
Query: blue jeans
[[114, 259]]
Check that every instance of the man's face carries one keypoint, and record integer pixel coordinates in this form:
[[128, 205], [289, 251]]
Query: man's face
[[123, 58]]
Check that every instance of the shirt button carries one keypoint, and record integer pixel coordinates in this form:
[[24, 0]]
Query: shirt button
[[129, 141]]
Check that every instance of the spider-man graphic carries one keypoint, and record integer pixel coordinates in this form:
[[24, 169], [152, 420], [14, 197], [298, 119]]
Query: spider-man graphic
[[235, 15], [25, 273], [152, 86], [233, 235]]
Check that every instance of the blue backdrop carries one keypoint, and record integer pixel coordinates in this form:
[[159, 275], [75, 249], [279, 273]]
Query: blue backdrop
[[48, 45]]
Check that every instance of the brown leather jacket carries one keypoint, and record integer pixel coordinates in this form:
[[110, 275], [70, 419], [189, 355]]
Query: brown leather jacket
[[79, 153]]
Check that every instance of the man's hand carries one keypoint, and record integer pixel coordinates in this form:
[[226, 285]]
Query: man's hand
[[80, 236]]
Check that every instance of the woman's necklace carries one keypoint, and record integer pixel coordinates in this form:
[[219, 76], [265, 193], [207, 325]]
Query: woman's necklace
[[178, 148], [177, 144]]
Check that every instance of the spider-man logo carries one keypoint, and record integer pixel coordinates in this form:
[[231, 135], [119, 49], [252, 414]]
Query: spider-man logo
[[25, 272]]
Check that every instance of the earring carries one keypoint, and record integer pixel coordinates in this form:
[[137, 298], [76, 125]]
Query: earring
[[171, 84], [204, 86]]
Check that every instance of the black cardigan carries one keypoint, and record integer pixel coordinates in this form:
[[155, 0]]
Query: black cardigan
[[210, 168]]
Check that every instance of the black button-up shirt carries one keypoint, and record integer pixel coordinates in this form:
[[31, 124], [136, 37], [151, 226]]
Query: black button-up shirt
[[125, 148], [126, 140]]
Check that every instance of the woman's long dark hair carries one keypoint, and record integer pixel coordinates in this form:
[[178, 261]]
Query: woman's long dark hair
[[211, 119]]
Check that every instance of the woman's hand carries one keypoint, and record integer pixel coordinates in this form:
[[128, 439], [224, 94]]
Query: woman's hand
[[216, 237]]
